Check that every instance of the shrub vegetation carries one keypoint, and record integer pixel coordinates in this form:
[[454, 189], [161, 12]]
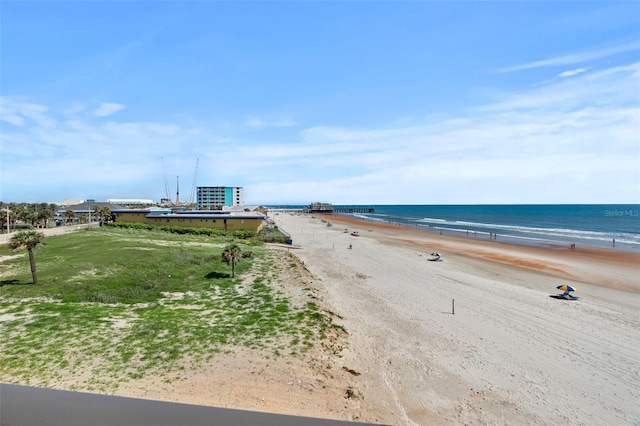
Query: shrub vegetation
[[121, 303]]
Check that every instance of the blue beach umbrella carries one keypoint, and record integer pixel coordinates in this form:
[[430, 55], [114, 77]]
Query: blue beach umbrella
[[565, 287]]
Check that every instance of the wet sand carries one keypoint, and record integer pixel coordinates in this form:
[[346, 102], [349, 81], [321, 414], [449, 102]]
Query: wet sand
[[581, 263]]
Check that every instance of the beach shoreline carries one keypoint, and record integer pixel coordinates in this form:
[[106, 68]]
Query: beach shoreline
[[549, 258], [505, 238], [509, 354]]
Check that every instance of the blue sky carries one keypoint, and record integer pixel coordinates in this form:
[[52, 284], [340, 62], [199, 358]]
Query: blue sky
[[344, 102]]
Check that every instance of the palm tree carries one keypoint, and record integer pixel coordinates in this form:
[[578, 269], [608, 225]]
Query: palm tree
[[13, 214], [104, 213], [69, 215], [28, 240], [32, 218], [4, 218], [232, 255], [44, 214], [23, 214]]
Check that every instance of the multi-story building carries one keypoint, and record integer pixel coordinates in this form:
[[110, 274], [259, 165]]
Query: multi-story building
[[216, 197]]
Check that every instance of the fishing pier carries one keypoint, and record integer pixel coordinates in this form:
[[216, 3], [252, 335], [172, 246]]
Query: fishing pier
[[323, 208], [327, 208]]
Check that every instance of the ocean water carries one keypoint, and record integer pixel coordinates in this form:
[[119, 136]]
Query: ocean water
[[586, 225], [591, 225]]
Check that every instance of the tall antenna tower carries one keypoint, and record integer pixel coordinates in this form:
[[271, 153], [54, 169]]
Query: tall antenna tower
[[193, 187], [166, 184], [177, 190]]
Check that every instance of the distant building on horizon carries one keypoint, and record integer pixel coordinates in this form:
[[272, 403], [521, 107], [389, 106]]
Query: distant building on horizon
[[131, 202], [71, 202], [85, 210], [217, 197]]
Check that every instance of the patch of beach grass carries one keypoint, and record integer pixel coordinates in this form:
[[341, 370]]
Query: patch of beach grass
[[115, 305]]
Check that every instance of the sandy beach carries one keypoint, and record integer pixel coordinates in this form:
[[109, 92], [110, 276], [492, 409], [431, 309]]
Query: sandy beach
[[509, 355]]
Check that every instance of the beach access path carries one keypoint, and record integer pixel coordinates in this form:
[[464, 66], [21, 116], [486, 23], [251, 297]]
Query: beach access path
[[509, 354]]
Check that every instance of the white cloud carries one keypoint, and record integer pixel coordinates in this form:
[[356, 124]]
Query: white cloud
[[572, 140], [575, 58], [563, 142], [14, 119], [613, 86], [106, 109], [571, 73], [260, 123], [17, 112]]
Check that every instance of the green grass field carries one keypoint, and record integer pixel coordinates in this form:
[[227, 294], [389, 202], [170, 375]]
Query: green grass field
[[117, 304]]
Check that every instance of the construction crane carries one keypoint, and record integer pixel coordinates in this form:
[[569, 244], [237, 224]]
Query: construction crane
[[195, 177], [166, 184]]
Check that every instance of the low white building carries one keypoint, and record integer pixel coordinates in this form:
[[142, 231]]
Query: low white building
[[131, 202]]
